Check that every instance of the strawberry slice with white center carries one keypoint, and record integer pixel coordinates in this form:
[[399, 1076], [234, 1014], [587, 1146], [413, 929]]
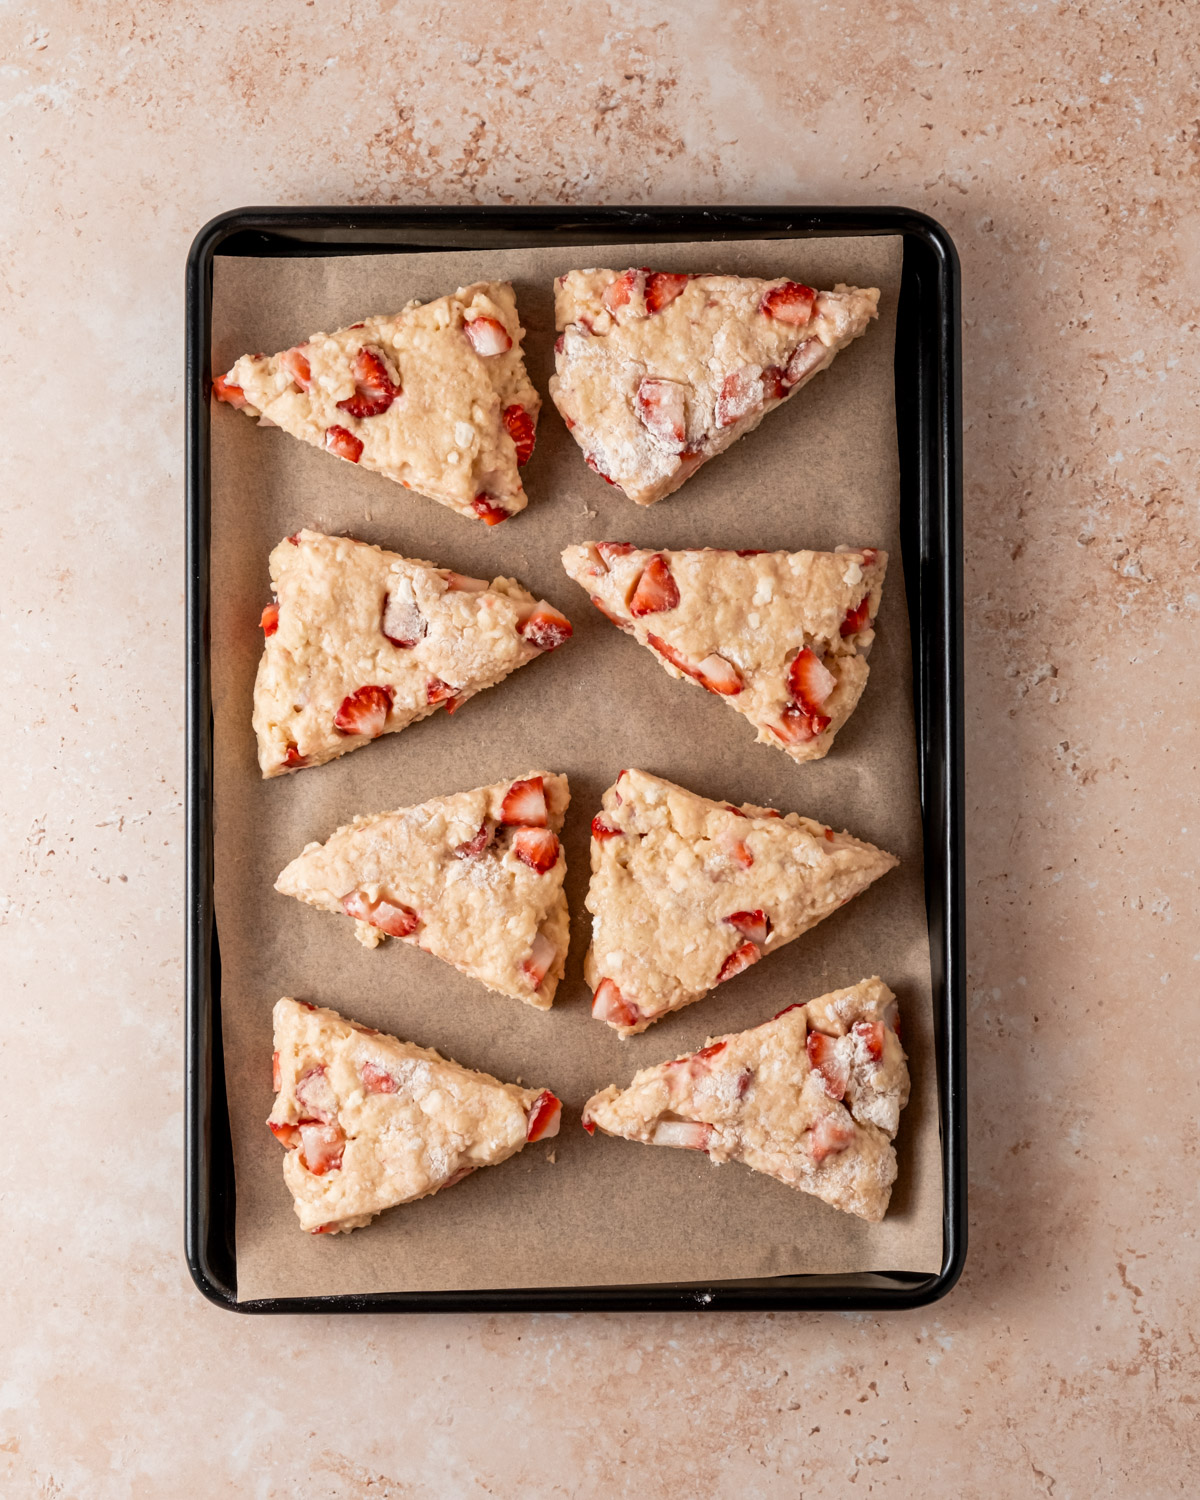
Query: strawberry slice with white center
[[617, 293], [537, 848], [338, 440], [403, 623], [692, 1135], [374, 388], [269, 620], [774, 383], [741, 394], [610, 551], [755, 925], [738, 961], [488, 336], [232, 395], [288, 1135], [831, 1134], [810, 681], [603, 829], [796, 726], [544, 1118], [295, 362], [868, 1039], [524, 804], [661, 406], [541, 956], [656, 589], [364, 712], [389, 916], [662, 287], [790, 303], [830, 1061], [321, 1146], [546, 628], [805, 358], [488, 511], [377, 1080], [519, 425], [719, 676], [857, 618], [608, 1004], [474, 847]]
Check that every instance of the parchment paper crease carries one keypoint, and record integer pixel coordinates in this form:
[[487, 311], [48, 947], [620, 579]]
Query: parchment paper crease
[[819, 471]]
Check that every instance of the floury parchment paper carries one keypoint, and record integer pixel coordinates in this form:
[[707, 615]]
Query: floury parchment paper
[[575, 1210]]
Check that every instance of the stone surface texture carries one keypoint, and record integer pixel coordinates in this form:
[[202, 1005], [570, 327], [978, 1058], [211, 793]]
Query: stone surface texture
[[1058, 143]]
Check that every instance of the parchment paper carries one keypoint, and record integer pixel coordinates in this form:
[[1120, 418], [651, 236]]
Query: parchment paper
[[576, 1210]]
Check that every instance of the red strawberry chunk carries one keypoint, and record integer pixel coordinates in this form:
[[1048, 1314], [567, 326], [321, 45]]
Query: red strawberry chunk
[[610, 550], [588, 1124], [232, 395], [403, 623], [519, 425], [602, 829], [857, 618], [364, 712], [868, 1036], [810, 681], [775, 383], [269, 619], [437, 691], [487, 336], [544, 1117], [321, 1146], [473, 847], [719, 675], [288, 1134], [662, 287], [662, 411], [537, 965], [742, 853], [377, 1080], [546, 628], [656, 589], [343, 443], [711, 1051], [755, 925], [487, 510], [740, 959], [617, 293], [295, 362], [741, 394], [790, 303], [796, 726], [593, 463], [830, 1062], [524, 804], [537, 848], [744, 1080], [608, 1004], [374, 389], [786, 1009], [676, 658], [460, 583], [869, 556], [693, 1135], [292, 756], [276, 1076], [389, 916], [804, 360], [832, 1133], [608, 614]]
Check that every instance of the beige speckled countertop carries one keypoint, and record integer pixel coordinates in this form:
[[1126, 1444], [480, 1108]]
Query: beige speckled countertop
[[1059, 145]]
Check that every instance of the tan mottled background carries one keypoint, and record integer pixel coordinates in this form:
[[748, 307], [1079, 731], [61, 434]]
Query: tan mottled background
[[1059, 144]]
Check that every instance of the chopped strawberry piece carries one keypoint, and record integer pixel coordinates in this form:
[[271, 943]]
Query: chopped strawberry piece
[[474, 847], [437, 691], [719, 675], [522, 431], [608, 614], [858, 618], [744, 1080], [588, 1125], [288, 1134], [741, 394], [487, 510], [751, 552], [676, 658], [276, 1076], [775, 383], [617, 293], [736, 811], [537, 848], [662, 411], [609, 550], [810, 681], [742, 853], [487, 336], [829, 1062], [796, 726], [364, 712], [524, 804], [389, 916], [869, 557], [691, 1134], [593, 463], [377, 1080], [295, 362], [656, 589], [269, 620], [705, 1053], [869, 1036], [804, 360], [755, 925], [544, 1117], [790, 303], [292, 756], [460, 583], [786, 1009], [374, 389], [602, 829], [831, 1133], [559, 344], [740, 959], [546, 628], [403, 623], [325, 1228], [662, 287], [771, 812], [541, 956], [608, 1004], [343, 443], [321, 1146], [232, 395]]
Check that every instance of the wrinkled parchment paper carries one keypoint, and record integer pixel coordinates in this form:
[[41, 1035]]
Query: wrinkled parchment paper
[[575, 1210]]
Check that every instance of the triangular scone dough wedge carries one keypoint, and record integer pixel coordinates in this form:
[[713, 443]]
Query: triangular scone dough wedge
[[435, 397], [475, 878], [656, 373], [363, 642], [686, 893], [781, 636], [370, 1122], [812, 1098]]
